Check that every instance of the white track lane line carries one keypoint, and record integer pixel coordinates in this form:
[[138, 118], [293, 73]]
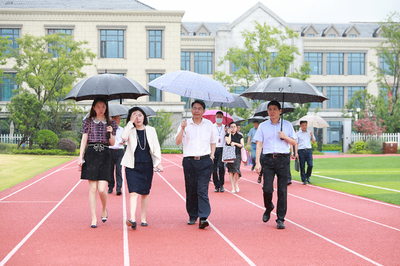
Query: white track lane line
[[308, 230], [124, 226], [356, 183], [16, 248], [37, 181], [247, 259]]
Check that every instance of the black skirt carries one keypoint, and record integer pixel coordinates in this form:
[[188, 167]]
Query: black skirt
[[97, 164], [235, 166], [139, 179]]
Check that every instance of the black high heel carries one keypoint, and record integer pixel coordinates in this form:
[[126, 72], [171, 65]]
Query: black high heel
[[93, 225], [105, 219], [131, 223]]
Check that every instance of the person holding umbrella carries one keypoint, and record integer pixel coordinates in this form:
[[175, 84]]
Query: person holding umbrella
[[273, 137], [96, 160], [141, 159]]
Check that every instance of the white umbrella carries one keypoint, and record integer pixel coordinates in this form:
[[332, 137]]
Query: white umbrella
[[314, 121]]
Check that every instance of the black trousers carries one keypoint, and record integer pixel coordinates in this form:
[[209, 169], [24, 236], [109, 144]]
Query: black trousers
[[281, 168], [197, 177], [219, 169], [116, 157]]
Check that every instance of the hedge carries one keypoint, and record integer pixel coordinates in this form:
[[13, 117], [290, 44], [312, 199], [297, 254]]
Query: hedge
[[46, 152]]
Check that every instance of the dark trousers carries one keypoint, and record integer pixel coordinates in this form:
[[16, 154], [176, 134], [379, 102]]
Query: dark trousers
[[219, 168], [305, 156], [197, 177], [279, 167], [116, 157]]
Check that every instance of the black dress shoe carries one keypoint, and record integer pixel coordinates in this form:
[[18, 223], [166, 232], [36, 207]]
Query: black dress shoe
[[267, 215], [280, 225], [216, 189], [304, 183], [119, 193], [131, 223], [308, 181], [203, 224], [221, 189], [289, 183], [110, 190], [143, 224], [191, 222]]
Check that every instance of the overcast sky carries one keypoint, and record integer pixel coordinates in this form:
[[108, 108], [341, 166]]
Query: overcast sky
[[292, 11]]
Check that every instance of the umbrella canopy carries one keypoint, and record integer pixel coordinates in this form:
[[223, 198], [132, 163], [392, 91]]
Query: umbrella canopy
[[148, 110], [257, 119], [118, 109], [240, 102], [109, 86], [283, 89], [210, 115], [262, 109], [314, 121], [238, 119], [192, 85]]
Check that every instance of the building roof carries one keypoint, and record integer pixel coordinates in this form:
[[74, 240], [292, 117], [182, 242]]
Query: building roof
[[366, 29], [212, 26], [76, 4]]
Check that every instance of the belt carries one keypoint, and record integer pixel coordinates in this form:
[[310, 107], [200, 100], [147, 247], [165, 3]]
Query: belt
[[219, 147], [116, 149], [304, 149], [277, 155], [98, 146], [198, 157]]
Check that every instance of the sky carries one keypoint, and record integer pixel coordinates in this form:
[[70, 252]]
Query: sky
[[291, 11]]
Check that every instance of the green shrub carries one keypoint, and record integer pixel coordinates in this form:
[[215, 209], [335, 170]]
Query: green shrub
[[314, 146], [72, 135], [46, 152], [374, 145], [67, 145], [171, 151], [46, 139]]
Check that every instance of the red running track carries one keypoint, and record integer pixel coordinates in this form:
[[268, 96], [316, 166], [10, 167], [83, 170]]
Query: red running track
[[46, 221]]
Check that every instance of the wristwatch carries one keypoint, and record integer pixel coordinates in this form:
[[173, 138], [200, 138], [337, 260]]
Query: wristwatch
[[212, 156]]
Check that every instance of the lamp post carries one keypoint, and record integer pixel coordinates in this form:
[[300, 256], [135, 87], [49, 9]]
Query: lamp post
[[358, 113], [11, 131]]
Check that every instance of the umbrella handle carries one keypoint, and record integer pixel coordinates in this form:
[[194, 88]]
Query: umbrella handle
[[283, 102]]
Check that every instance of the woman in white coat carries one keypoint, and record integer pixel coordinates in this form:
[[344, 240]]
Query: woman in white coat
[[142, 157]]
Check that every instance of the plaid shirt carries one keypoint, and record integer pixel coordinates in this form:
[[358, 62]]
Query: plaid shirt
[[98, 130]]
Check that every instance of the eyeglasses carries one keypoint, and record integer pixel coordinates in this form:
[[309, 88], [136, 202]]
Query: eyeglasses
[[197, 108]]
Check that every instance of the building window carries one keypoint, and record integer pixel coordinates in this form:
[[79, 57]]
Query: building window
[[310, 35], [186, 100], [12, 34], [156, 94], [238, 89], [353, 36], [54, 31], [335, 96], [334, 63], [112, 43], [334, 132], [203, 34], [352, 90], [155, 43], [384, 65], [332, 35], [356, 63], [314, 104], [315, 60], [7, 87], [203, 62], [182, 34], [185, 61]]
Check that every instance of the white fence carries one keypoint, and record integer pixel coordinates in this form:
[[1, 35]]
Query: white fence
[[7, 138], [385, 137]]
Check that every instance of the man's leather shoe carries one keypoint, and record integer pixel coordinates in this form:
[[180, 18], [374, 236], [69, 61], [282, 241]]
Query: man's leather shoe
[[110, 191], [221, 189], [119, 193], [304, 183], [203, 224], [289, 183], [280, 225], [191, 222], [267, 215], [216, 189], [308, 181]]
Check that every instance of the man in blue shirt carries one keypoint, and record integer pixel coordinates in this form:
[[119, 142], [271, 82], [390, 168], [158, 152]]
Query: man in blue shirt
[[274, 144], [305, 151]]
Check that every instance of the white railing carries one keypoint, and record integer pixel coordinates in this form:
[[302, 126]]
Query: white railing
[[7, 138], [385, 137], [170, 144]]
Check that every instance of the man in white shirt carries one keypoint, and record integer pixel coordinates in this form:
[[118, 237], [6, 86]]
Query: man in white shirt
[[304, 151], [274, 142], [117, 152], [199, 138], [219, 167]]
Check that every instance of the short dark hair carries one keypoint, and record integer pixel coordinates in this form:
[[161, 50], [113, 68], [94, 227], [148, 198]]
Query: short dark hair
[[232, 123], [303, 121], [219, 113], [199, 102], [145, 120], [276, 103]]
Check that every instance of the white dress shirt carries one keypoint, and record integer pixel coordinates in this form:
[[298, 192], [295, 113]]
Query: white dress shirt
[[304, 140], [118, 140], [197, 139], [220, 135]]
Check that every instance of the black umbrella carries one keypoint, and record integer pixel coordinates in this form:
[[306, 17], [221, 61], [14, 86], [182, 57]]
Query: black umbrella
[[283, 89], [148, 111], [109, 86], [262, 109], [257, 118], [238, 119]]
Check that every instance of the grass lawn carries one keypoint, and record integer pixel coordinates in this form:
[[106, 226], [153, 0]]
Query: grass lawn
[[15, 169], [383, 172]]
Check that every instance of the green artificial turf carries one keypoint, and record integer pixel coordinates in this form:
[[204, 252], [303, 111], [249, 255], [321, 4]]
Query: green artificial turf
[[380, 171]]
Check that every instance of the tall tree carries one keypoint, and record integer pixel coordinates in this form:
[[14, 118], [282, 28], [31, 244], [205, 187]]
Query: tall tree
[[5, 45], [267, 52]]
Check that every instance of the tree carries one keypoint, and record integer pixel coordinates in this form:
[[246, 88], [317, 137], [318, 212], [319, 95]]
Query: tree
[[5, 43], [256, 61], [388, 74], [163, 125], [25, 110], [364, 101], [369, 126], [48, 65]]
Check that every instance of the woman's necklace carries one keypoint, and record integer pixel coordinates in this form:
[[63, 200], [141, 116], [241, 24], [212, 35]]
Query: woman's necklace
[[140, 146]]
